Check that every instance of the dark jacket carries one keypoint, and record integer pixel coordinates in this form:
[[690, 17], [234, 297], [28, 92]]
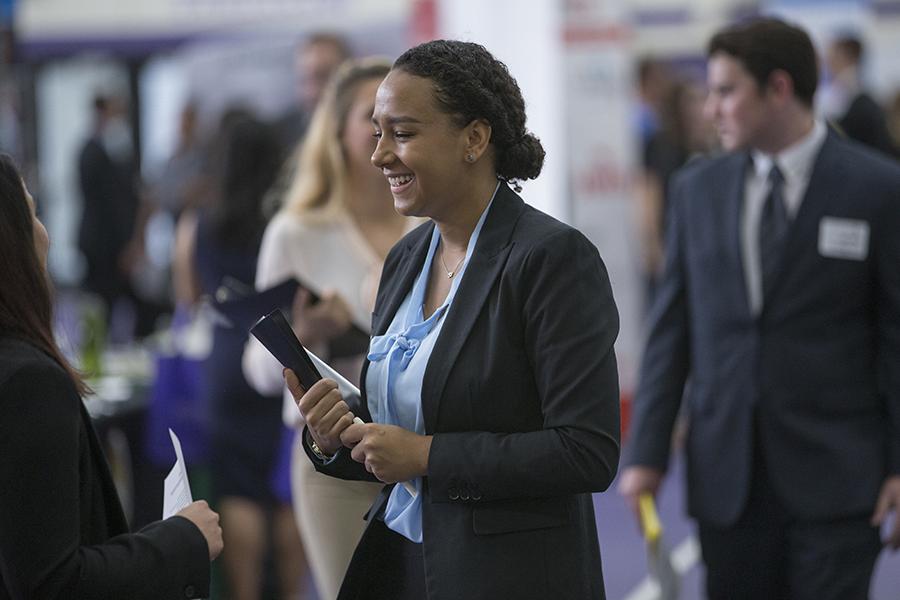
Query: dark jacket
[[815, 378], [521, 396], [62, 530]]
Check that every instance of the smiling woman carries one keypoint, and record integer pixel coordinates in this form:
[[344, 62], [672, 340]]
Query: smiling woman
[[490, 383]]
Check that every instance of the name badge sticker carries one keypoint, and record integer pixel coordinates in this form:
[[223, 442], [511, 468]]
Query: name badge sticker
[[843, 238]]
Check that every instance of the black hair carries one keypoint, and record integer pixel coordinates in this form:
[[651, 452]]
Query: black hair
[[248, 165], [851, 46], [471, 84], [765, 45], [26, 297]]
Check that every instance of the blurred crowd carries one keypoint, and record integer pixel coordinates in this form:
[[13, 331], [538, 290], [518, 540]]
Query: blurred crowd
[[241, 201]]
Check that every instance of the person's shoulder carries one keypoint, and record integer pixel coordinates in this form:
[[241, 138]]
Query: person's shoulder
[[864, 168], [538, 231], [284, 222], [286, 227], [25, 367], [16, 354], [863, 105], [314, 223], [92, 149], [703, 167]]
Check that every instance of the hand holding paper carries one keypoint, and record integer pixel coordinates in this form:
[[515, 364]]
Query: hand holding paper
[[177, 500]]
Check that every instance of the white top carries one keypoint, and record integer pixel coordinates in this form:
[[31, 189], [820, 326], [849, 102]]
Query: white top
[[796, 164], [326, 255]]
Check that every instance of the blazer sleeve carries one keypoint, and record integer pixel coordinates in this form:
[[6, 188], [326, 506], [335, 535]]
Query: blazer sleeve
[[341, 465], [665, 362], [570, 323], [40, 512]]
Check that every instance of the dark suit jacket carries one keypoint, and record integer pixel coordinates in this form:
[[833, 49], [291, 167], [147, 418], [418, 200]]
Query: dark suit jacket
[[62, 530], [865, 122], [818, 369], [109, 192], [521, 396]]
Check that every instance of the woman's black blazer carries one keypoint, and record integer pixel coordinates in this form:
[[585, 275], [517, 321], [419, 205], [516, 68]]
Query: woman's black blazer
[[62, 530], [521, 395]]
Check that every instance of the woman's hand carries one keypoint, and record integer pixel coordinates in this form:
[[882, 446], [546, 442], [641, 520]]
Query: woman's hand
[[207, 521], [323, 408], [322, 321], [390, 453]]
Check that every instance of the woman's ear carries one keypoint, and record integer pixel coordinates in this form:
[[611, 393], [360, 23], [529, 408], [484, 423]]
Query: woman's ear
[[478, 137]]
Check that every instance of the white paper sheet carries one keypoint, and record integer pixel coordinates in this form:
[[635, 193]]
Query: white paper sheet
[[177, 488], [348, 390]]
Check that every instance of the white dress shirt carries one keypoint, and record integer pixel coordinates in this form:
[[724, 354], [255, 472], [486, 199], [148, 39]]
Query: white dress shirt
[[796, 164]]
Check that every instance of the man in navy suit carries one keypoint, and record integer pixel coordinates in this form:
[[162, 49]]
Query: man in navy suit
[[778, 320]]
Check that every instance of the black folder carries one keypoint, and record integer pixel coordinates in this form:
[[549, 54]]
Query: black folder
[[240, 306]]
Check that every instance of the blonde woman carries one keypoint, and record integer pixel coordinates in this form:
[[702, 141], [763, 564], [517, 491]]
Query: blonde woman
[[334, 230]]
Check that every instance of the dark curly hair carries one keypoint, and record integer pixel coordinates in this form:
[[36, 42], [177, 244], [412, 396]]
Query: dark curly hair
[[471, 84]]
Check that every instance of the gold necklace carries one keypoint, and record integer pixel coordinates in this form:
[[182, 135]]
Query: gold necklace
[[450, 273]]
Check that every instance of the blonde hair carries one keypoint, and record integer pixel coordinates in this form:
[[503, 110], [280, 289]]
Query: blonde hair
[[319, 184]]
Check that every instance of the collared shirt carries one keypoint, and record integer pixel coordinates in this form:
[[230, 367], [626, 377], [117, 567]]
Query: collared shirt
[[395, 375], [796, 164]]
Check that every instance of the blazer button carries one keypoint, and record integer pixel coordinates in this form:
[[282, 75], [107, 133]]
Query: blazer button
[[464, 495], [476, 496], [454, 493], [189, 591]]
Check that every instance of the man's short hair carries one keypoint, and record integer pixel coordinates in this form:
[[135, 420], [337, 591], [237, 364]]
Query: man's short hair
[[329, 38], [765, 45]]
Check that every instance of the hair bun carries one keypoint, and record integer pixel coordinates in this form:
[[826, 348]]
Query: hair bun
[[523, 159]]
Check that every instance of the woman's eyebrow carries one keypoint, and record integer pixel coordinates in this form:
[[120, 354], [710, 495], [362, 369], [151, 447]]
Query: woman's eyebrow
[[396, 120]]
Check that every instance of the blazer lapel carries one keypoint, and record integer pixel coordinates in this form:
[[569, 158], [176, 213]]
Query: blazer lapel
[[485, 265], [734, 181], [823, 178]]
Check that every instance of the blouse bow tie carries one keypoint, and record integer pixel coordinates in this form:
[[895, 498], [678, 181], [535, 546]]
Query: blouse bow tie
[[406, 342]]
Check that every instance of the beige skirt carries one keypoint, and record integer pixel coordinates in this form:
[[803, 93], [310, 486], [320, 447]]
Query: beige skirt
[[329, 513]]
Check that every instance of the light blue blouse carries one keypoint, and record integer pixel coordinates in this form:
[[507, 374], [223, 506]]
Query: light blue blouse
[[394, 378]]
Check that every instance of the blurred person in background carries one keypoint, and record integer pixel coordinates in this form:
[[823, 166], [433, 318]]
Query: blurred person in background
[[653, 80], [179, 184], [780, 303], [63, 533], [221, 240], [683, 133], [490, 386], [892, 114], [315, 61], [109, 180], [846, 101], [332, 234]]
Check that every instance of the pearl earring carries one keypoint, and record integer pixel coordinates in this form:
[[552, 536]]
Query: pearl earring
[[470, 157]]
